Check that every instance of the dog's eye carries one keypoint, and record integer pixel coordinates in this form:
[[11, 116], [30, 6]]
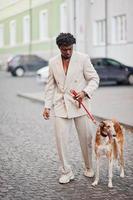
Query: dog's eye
[[108, 126]]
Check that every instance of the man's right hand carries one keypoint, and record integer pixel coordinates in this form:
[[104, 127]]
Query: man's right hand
[[46, 113]]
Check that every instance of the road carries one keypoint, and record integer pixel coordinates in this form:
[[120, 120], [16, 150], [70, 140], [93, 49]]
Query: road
[[28, 157]]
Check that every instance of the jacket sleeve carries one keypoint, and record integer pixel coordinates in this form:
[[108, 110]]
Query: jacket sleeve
[[91, 77], [49, 89]]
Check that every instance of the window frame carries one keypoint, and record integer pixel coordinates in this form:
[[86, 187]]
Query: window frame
[[63, 17], [43, 35], [1, 35], [119, 29], [13, 33], [26, 38], [99, 32]]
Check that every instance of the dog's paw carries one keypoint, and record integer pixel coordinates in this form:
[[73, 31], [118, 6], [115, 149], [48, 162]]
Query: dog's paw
[[94, 183], [110, 185], [122, 175]]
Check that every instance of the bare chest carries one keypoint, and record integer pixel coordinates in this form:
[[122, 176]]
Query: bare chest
[[65, 64]]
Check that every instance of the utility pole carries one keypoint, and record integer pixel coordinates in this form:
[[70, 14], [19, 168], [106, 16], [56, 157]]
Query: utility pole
[[88, 26], [74, 11], [106, 28]]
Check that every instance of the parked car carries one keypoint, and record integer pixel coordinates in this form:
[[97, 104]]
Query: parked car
[[108, 70], [42, 75], [20, 64], [112, 70]]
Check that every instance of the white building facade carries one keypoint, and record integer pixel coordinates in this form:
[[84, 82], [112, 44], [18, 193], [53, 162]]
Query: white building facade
[[103, 28]]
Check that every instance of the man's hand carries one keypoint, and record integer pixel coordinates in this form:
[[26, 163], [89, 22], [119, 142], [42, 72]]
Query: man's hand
[[46, 113], [80, 96]]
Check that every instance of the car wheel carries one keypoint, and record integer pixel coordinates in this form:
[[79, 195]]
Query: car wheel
[[19, 72], [130, 79]]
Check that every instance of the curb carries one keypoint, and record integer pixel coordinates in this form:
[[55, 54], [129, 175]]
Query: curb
[[31, 98], [41, 101]]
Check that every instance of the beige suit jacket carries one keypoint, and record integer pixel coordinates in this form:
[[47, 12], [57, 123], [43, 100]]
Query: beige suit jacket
[[81, 76]]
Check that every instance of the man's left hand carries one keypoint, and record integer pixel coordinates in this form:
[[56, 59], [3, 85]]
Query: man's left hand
[[80, 96]]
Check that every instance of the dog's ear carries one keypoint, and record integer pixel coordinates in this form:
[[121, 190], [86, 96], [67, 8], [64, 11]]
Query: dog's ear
[[99, 129], [102, 124]]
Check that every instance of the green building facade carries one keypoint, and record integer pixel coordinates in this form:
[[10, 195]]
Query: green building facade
[[30, 27]]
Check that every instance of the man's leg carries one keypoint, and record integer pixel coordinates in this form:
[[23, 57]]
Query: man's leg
[[62, 130], [84, 130]]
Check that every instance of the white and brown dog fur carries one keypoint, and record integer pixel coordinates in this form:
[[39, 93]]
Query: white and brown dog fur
[[109, 142]]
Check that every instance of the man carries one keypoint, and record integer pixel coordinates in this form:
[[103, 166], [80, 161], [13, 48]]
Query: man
[[70, 70]]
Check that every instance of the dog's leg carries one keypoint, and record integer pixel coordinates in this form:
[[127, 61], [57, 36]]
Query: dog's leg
[[121, 162], [97, 173], [110, 172]]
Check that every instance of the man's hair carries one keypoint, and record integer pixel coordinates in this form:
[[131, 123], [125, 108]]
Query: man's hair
[[65, 39]]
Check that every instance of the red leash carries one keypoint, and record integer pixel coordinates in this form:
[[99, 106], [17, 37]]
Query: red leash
[[80, 103]]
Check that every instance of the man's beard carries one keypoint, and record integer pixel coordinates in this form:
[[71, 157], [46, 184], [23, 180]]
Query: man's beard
[[66, 57]]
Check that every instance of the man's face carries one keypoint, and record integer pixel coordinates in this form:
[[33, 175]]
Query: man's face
[[66, 51]]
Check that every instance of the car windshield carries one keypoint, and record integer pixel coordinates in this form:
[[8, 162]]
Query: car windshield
[[112, 62], [15, 60], [96, 62]]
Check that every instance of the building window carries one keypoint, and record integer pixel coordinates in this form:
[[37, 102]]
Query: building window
[[99, 32], [1, 35], [26, 29], [119, 28], [63, 18], [12, 32], [43, 25]]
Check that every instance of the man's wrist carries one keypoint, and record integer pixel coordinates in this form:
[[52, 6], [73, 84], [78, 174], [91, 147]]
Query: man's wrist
[[86, 95]]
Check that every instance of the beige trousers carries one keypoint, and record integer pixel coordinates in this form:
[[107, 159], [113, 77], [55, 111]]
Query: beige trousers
[[62, 129]]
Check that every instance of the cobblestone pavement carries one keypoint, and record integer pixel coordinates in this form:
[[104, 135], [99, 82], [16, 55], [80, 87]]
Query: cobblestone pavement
[[28, 158]]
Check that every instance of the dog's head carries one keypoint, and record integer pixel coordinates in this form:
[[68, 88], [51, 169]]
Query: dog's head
[[106, 128]]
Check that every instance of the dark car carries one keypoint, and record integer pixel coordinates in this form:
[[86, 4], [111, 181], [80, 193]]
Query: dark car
[[20, 64], [111, 70]]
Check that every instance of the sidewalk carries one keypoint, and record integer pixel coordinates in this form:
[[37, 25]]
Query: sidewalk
[[107, 103]]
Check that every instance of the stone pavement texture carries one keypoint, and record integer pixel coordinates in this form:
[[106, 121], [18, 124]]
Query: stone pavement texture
[[28, 158]]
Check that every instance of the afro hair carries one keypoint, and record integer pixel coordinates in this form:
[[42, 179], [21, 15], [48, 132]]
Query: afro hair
[[65, 39]]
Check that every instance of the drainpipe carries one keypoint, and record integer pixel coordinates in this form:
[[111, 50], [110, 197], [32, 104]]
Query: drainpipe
[[88, 27], [74, 18], [106, 28], [30, 14]]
